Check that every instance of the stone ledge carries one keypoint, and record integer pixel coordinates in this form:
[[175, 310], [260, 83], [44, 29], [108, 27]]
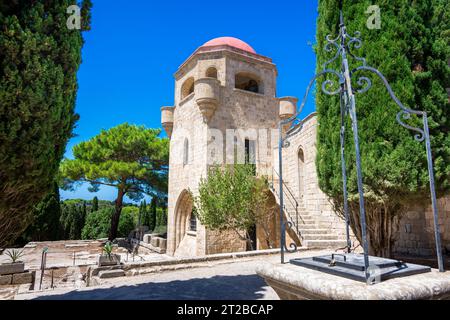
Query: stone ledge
[[292, 282], [207, 258]]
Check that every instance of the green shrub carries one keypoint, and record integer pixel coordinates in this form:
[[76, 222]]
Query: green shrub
[[98, 224]]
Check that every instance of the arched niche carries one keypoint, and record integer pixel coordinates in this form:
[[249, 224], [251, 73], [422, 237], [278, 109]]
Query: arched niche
[[187, 88], [248, 82]]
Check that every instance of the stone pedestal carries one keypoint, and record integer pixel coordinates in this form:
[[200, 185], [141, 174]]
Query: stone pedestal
[[104, 260], [293, 282]]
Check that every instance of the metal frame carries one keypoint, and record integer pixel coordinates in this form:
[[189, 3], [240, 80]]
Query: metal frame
[[294, 124]]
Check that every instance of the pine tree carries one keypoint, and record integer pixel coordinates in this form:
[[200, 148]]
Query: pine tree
[[411, 50], [39, 59], [131, 158]]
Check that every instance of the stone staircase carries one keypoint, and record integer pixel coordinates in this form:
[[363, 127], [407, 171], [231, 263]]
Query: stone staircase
[[306, 225]]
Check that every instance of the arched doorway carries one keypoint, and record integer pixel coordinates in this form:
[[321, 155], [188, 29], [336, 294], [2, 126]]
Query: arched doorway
[[184, 222], [301, 172]]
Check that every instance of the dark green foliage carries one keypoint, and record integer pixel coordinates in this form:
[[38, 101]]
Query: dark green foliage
[[39, 59], [98, 224], [142, 212], [161, 217], [153, 213], [95, 204], [131, 158], [149, 214], [73, 215], [45, 224], [411, 49]]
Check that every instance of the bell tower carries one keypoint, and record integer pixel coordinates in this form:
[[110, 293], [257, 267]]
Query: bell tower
[[224, 91]]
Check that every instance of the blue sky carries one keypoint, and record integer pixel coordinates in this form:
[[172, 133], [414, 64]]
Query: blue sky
[[134, 48]]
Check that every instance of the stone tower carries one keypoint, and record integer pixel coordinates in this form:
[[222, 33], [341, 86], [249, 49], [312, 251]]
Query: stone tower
[[224, 94]]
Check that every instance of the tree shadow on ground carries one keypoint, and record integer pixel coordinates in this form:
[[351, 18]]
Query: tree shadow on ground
[[242, 287]]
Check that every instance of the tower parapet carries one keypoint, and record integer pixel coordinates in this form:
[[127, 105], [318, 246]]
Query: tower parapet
[[288, 107], [167, 119], [207, 96]]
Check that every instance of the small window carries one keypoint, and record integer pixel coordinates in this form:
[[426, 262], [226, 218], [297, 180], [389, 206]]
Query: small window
[[250, 154], [186, 152], [187, 88], [250, 151], [211, 73], [193, 223], [247, 82]]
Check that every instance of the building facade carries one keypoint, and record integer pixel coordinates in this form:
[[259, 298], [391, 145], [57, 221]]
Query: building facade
[[226, 110], [225, 100]]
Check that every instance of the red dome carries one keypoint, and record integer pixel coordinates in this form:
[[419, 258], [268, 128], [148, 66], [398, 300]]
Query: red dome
[[230, 41]]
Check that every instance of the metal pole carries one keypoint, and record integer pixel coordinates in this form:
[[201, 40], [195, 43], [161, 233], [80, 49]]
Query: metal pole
[[351, 97], [344, 171], [280, 173], [437, 232], [43, 262]]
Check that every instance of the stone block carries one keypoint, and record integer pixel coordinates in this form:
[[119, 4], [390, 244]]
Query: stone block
[[104, 260], [111, 274], [155, 241], [147, 238], [5, 279], [163, 244], [10, 268], [22, 278]]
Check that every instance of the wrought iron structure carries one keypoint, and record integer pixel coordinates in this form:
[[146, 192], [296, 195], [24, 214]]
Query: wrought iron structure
[[343, 44]]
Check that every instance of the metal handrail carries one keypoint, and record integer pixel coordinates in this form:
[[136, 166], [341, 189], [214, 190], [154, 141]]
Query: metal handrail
[[295, 223], [286, 187]]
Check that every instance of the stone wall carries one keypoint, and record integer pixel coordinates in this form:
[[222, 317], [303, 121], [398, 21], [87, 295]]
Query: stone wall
[[223, 242], [416, 229]]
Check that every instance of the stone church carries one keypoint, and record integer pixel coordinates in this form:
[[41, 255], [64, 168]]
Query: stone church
[[225, 96]]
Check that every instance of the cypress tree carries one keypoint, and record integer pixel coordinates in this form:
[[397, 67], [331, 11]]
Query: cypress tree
[[39, 59], [95, 204], [45, 223], [152, 213], [411, 50]]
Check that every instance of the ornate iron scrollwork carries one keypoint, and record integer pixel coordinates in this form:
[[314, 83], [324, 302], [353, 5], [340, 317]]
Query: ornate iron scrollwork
[[343, 44]]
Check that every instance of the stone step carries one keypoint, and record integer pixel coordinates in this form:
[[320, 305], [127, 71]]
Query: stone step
[[300, 214], [324, 244], [111, 274], [307, 225], [306, 220], [315, 236], [313, 231]]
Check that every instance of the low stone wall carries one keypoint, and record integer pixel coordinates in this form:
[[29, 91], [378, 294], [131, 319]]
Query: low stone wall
[[292, 282], [223, 242], [137, 268]]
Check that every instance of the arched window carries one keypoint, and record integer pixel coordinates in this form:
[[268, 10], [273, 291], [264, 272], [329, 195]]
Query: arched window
[[192, 222], [301, 173], [248, 82], [186, 152], [211, 72], [187, 88]]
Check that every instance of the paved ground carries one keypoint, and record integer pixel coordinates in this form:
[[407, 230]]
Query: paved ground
[[221, 280]]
